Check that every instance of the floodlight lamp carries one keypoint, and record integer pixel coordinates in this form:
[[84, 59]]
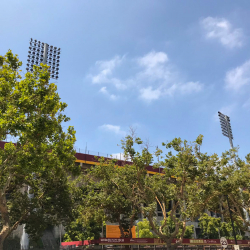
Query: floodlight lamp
[[42, 52]]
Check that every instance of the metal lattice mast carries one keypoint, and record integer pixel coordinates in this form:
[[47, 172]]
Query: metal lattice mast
[[43, 53]]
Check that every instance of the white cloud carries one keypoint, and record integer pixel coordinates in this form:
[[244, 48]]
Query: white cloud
[[112, 128], [153, 59], [105, 92], [105, 72], [166, 80], [148, 94], [106, 69], [237, 78], [155, 66], [222, 30], [153, 77]]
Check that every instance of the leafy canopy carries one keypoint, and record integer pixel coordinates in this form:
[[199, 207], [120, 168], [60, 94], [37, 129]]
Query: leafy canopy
[[31, 115]]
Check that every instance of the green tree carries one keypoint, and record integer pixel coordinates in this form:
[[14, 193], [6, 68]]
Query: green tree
[[232, 185], [111, 194], [85, 224], [210, 227], [236, 186], [143, 230], [79, 230], [185, 184], [42, 156], [213, 228]]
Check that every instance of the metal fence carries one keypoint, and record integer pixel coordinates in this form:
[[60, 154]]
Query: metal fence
[[117, 156]]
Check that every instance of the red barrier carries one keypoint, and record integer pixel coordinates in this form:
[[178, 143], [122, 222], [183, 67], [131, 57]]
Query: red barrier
[[80, 243], [149, 241]]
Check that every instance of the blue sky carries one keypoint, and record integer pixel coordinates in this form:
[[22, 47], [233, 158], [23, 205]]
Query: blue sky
[[163, 67]]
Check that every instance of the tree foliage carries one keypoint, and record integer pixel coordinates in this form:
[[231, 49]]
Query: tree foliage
[[79, 230], [190, 183], [181, 191], [143, 230], [42, 156], [214, 228], [111, 194]]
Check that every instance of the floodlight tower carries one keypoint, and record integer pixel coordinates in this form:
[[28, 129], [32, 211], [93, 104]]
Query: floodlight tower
[[226, 127], [43, 53], [40, 53], [227, 131]]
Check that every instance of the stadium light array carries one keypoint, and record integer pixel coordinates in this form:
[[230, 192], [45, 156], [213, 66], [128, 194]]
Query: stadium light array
[[226, 127], [43, 53]]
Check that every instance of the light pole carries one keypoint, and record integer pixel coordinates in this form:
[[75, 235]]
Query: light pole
[[227, 131], [44, 53], [230, 212], [40, 53]]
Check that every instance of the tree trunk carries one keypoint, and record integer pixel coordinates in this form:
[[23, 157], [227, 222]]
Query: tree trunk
[[3, 236], [1, 244], [121, 229], [169, 246], [5, 220]]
